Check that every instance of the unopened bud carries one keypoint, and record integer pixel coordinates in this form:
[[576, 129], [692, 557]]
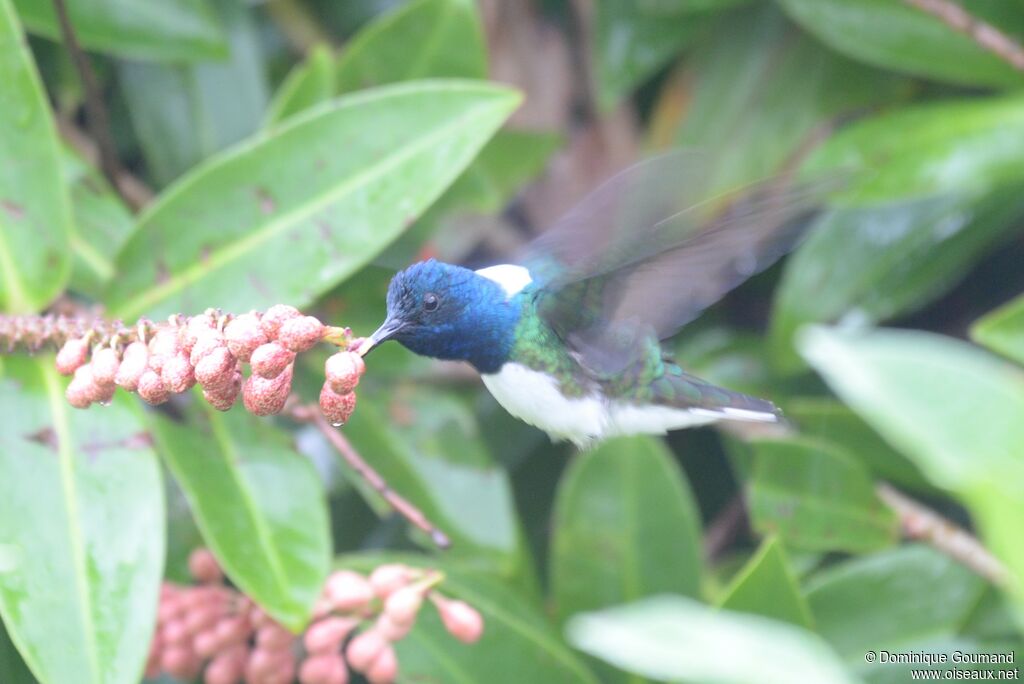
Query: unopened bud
[[324, 668], [196, 328], [152, 389], [348, 591], [386, 579], [223, 398], [177, 373], [216, 369], [180, 662], [326, 635], [203, 566], [337, 408], [274, 637], [133, 365], [269, 360], [363, 650], [82, 390], [301, 333], [72, 355], [462, 620], [263, 397], [243, 334], [273, 318], [343, 371], [389, 629], [403, 605], [384, 669], [228, 667], [205, 344], [162, 347], [104, 366]]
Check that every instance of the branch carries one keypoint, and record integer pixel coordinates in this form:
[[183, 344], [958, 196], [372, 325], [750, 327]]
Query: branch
[[312, 414], [984, 34], [921, 523], [98, 120], [726, 527]]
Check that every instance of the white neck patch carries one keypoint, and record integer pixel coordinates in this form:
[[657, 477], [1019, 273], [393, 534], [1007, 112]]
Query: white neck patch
[[511, 277]]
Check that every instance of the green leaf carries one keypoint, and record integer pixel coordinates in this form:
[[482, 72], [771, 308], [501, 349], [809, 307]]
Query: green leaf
[[422, 39], [169, 30], [674, 638], [438, 461], [259, 505], [309, 83], [184, 113], [869, 264], [631, 43], [767, 586], [817, 497], [35, 214], [102, 224], [13, 669], [952, 409], [895, 35], [761, 91], [282, 219], [625, 526], [518, 644], [1002, 330], [81, 531], [887, 601], [966, 146]]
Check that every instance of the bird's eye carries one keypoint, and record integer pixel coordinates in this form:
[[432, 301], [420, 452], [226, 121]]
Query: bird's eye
[[430, 302]]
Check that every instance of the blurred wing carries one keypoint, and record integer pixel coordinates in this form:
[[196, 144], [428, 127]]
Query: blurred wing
[[609, 285]]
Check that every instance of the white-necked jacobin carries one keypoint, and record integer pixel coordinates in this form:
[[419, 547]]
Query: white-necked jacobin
[[568, 338]]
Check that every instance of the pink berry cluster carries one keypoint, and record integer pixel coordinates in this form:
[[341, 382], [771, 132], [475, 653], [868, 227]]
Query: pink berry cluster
[[212, 630], [159, 360]]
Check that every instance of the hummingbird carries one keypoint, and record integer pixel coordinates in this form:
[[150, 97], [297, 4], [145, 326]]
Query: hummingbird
[[568, 337]]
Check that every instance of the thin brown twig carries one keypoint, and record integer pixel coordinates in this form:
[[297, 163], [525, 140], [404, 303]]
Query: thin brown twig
[[725, 527], [130, 187], [987, 36], [96, 111], [312, 414], [922, 523]]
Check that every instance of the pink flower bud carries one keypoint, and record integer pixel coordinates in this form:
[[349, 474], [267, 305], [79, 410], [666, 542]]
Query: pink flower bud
[[301, 333], [72, 355], [223, 398], [163, 346], [384, 669], [324, 668], [216, 369], [175, 632], [133, 365], [180, 662], [269, 360], [82, 389], [326, 635], [232, 630], [273, 318], [196, 328], [363, 650], [264, 397], [151, 388], [263, 663], [337, 408], [403, 605], [202, 618], [228, 667], [274, 637], [348, 591], [386, 579], [205, 344], [104, 366], [243, 335], [205, 643], [462, 620], [203, 566], [343, 371], [177, 373], [391, 630]]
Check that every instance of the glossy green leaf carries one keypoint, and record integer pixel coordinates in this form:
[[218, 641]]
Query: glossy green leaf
[[631, 43], [81, 530], [422, 39], [951, 408], [762, 91], [169, 30], [438, 461], [826, 419], [518, 644], [895, 35], [817, 497], [767, 586], [872, 263], [964, 146], [35, 214], [260, 506], [888, 601], [310, 83], [101, 226], [284, 218], [625, 526], [1002, 330], [184, 113], [677, 639]]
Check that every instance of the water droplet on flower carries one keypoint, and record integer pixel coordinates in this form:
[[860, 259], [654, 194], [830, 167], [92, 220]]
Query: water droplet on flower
[[338, 424], [104, 403]]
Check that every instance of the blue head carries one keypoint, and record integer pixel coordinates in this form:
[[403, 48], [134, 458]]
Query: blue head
[[450, 312]]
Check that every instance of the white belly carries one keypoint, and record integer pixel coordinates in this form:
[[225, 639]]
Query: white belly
[[534, 398]]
